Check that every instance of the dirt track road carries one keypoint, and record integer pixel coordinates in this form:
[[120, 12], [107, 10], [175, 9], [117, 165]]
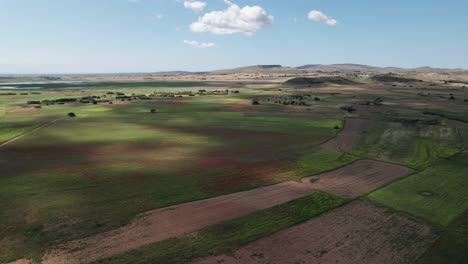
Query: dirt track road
[[179, 220], [5, 143]]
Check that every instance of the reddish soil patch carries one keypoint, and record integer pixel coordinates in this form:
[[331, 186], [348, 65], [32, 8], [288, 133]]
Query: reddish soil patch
[[161, 224], [117, 103], [349, 136], [356, 233], [21, 261], [241, 176], [174, 102], [22, 111], [358, 178], [242, 106], [232, 132], [364, 109], [223, 101], [87, 150], [175, 221]]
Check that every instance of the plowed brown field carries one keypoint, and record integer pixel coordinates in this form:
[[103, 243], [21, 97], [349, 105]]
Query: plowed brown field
[[176, 221], [358, 178], [349, 136], [157, 225], [356, 233]]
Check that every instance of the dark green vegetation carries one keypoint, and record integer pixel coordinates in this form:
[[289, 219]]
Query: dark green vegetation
[[391, 77], [310, 82], [412, 142], [452, 246], [438, 194], [226, 237]]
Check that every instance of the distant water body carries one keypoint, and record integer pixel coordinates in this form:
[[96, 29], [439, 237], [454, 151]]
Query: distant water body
[[33, 85]]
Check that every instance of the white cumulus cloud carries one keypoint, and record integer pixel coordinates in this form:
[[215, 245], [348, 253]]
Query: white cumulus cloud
[[320, 17], [196, 6], [202, 45], [232, 20]]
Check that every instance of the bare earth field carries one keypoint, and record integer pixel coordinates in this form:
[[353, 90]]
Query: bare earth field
[[176, 221], [349, 136], [350, 182], [358, 178], [356, 233]]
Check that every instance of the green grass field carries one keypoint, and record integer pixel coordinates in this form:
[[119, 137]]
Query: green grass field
[[414, 146], [226, 237], [113, 162], [438, 194], [452, 246]]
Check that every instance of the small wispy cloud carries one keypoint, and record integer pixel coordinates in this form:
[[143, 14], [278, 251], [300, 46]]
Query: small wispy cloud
[[321, 18], [156, 17], [201, 45], [195, 6]]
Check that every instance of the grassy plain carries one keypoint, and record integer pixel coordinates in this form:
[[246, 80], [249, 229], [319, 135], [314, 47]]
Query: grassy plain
[[95, 172], [438, 194]]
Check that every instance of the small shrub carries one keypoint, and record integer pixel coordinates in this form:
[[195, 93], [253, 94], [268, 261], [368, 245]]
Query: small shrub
[[350, 109], [153, 111], [378, 101], [255, 102], [71, 114]]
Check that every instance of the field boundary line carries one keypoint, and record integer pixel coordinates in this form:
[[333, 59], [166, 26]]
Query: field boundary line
[[3, 144]]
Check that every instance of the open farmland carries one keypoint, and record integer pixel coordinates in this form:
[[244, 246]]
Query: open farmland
[[438, 194], [355, 233], [145, 166], [115, 156]]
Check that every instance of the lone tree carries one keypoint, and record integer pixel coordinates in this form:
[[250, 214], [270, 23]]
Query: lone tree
[[71, 114], [350, 109], [153, 111], [255, 102]]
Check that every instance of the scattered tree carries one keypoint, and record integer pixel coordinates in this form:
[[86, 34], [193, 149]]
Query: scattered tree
[[350, 109]]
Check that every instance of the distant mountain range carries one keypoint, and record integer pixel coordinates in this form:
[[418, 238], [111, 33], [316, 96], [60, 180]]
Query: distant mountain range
[[337, 68]]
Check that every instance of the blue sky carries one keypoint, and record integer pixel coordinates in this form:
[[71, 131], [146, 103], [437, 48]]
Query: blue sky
[[72, 36]]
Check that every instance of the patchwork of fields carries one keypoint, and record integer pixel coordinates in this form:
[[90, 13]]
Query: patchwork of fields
[[244, 161]]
